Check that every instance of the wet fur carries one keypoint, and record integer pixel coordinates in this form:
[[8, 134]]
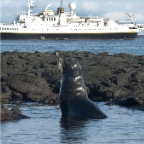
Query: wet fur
[[74, 101]]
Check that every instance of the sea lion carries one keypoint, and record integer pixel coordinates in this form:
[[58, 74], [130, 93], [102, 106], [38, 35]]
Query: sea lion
[[74, 101]]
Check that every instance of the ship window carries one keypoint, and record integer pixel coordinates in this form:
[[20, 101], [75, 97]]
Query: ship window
[[54, 19], [0, 28], [12, 28], [7, 28]]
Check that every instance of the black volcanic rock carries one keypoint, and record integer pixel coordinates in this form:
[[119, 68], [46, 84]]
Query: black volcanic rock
[[117, 78], [12, 114], [33, 88]]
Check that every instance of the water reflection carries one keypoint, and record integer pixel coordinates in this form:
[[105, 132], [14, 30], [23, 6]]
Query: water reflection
[[72, 131]]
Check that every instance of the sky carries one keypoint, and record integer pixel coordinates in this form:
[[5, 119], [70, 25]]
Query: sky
[[114, 9]]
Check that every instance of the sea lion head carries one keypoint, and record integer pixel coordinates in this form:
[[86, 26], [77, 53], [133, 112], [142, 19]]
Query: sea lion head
[[70, 68], [72, 83], [72, 80]]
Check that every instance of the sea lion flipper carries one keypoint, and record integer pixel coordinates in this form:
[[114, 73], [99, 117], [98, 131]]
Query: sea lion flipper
[[83, 107]]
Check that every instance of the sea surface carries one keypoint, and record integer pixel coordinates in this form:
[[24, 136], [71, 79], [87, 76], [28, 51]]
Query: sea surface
[[135, 46], [123, 125]]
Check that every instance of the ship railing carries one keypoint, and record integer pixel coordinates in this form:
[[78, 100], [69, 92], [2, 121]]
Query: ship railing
[[70, 13], [91, 17], [4, 24], [125, 22], [58, 26]]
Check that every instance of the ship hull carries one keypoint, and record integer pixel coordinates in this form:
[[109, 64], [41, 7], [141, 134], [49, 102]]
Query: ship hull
[[19, 36]]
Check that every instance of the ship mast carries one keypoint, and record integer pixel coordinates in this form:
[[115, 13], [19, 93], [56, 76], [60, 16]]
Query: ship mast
[[60, 9], [30, 5], [61, 3]]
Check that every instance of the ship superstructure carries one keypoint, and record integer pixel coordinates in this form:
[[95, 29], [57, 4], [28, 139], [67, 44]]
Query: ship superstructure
[[65, 25]]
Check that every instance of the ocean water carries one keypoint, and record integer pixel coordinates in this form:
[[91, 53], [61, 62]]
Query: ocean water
[[123, 125], [135, 46]]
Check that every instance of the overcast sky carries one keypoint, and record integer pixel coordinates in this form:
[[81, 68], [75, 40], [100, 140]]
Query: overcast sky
[[114, 9]]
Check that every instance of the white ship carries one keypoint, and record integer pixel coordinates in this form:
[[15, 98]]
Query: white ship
[[65, 25]]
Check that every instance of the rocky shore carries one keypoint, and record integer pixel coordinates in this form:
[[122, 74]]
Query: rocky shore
[[34, 77], [12, 114]]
